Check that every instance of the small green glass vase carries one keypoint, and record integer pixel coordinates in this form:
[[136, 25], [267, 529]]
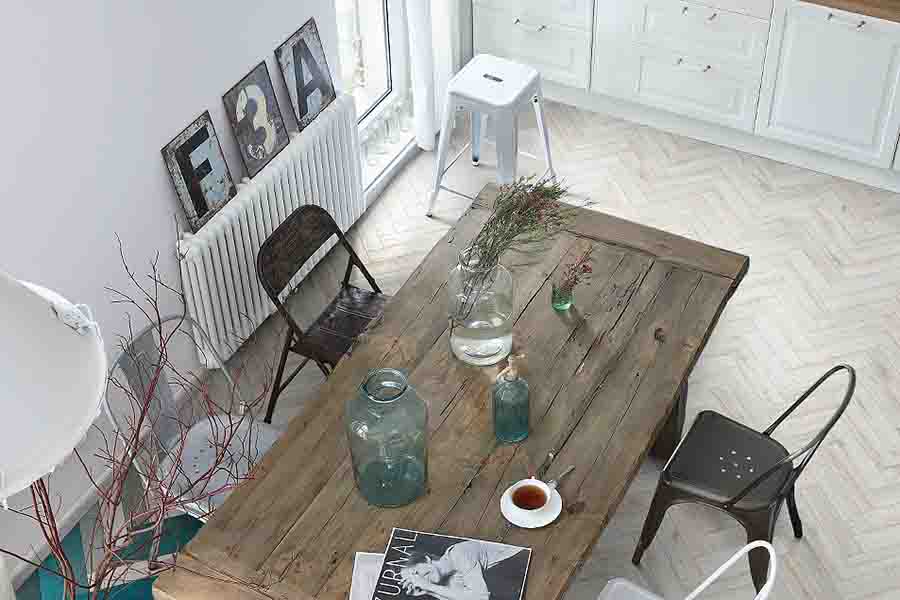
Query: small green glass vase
[[562, 297]]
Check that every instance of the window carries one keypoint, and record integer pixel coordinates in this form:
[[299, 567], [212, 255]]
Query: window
[[373, 48]]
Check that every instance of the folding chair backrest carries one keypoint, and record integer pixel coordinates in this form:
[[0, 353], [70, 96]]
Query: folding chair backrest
[[292, 244]]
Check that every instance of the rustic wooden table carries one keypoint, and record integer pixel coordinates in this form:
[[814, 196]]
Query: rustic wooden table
[[607, 379]]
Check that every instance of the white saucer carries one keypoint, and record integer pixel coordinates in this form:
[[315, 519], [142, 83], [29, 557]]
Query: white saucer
[[531, 519]]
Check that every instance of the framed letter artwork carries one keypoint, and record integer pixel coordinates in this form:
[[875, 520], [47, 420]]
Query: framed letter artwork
[[199, 171], [306, 75], [256, 119]]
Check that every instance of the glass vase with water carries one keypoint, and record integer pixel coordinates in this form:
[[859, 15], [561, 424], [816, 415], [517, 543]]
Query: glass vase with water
[[481, 304]]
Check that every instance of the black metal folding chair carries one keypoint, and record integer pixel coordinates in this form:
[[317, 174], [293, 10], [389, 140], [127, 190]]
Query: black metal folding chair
[[280, 257]]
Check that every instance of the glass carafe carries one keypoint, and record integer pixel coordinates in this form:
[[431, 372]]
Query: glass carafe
[[481, 305], [387, 431]]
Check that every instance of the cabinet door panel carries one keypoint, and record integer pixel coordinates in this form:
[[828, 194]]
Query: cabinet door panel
[[695, 28], [560, 53], [831, 82], [686, 85], [571, 13]]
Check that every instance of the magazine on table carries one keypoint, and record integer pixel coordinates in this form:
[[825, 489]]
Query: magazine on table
[[428, 566], [366, 568]]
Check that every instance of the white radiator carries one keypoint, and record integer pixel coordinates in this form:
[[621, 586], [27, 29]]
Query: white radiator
[[320, 166]]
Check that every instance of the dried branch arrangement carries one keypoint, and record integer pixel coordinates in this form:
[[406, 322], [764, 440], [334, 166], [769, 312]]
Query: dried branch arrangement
[[160, 401], [527, 211], [576, 272]]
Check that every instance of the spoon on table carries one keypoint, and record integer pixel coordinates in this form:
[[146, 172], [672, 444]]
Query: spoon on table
[[554, 483]]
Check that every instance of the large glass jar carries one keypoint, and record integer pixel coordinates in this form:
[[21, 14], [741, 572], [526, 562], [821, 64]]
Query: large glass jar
[[481, 305], [387, 431]]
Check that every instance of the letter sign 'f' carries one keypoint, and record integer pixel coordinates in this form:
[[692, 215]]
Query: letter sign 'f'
[[305, 89], [194, 167]]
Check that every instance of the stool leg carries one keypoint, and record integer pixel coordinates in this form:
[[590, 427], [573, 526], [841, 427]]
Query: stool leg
[[507, 132], [538, 102], [443, 146], [476, 138]]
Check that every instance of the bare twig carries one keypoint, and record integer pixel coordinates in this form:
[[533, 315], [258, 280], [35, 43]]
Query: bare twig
[[171, 483]]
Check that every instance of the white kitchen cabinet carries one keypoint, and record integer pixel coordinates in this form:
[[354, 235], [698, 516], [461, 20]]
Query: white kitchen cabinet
[[830, 82], [792, 80], [685, 57], [561, 53]]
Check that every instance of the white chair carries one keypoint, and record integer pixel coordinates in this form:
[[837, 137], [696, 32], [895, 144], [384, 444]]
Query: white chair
[[191, 403], [496, 88], [622, 589]]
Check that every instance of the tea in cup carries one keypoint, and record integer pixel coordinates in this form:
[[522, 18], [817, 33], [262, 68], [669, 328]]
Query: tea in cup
[[530, 503]]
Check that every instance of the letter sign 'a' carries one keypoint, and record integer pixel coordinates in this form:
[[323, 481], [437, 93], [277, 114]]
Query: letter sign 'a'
[[317, 82]]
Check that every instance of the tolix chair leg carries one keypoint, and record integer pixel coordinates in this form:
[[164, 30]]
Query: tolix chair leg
[[662, 500], [759, 526], [795, 516]]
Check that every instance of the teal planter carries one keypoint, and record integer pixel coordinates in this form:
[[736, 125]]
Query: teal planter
[[45, 585]]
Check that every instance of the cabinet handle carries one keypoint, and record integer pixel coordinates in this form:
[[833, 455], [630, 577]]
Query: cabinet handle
[[702, 69], [858, 26], [526, 27]]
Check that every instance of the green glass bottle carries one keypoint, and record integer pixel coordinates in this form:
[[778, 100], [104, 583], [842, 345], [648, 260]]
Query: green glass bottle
[[510, 398]]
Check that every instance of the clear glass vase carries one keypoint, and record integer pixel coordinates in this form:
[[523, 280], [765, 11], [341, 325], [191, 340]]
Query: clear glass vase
[[481, 304], [387, 431]]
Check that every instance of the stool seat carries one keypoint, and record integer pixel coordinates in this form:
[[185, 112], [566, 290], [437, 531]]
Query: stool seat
[[495, 82]]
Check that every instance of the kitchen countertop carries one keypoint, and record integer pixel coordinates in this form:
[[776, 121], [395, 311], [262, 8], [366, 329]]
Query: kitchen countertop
[[880, 9]]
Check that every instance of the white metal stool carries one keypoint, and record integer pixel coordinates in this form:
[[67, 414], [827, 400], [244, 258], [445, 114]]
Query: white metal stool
[[496, 88]]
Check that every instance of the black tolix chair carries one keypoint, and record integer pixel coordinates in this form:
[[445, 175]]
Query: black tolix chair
[[731, 467]]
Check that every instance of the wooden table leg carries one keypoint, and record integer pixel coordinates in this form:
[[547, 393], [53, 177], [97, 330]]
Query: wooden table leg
[[670, 434]]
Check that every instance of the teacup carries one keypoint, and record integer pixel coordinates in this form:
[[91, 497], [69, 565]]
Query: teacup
[[530, 503]]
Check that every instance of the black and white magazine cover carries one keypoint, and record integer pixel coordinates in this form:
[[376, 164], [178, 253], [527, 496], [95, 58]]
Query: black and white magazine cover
[[441, 567]]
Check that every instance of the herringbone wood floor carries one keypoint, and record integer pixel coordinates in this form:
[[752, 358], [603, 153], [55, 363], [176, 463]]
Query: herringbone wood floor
[[822, 288]]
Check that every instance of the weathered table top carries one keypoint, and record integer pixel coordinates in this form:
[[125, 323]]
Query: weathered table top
[[603, 378]]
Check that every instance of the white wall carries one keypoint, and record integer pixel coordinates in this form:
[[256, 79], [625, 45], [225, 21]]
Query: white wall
[[92, 90]]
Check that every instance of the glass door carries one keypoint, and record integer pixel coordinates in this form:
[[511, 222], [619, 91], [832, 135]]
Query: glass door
[[374, 53]]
